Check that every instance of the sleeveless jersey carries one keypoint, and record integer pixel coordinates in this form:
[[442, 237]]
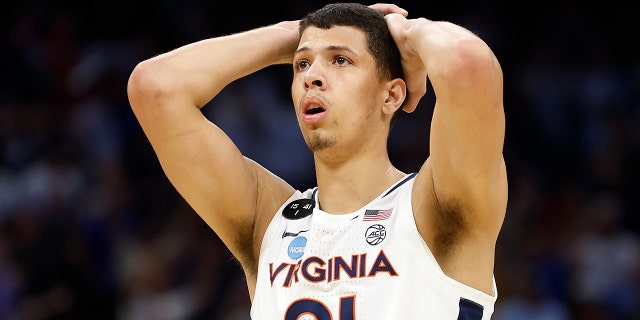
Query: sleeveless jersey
[[371, 264]]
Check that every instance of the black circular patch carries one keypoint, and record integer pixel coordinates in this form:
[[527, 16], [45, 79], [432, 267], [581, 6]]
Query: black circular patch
[[298, 209]]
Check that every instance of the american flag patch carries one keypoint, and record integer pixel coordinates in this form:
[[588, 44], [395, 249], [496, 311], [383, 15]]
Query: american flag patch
[[376, 215]]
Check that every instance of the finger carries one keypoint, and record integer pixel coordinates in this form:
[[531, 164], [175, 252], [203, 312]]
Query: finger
[[395, 21], [415, 94], [387, 8], [410, 105]]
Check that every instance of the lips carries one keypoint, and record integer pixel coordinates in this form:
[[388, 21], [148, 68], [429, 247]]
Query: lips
[[313, 109]]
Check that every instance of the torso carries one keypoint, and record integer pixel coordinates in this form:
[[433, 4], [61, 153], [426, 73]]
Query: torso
[[368, 264]]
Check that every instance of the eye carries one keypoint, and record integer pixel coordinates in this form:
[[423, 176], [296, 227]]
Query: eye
[[342, 61], [302, 65]]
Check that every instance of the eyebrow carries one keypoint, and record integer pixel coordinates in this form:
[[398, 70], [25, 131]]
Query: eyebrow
[[329, 48]]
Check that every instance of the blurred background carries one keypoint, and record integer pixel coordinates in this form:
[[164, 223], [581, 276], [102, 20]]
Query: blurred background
[[90, 228]]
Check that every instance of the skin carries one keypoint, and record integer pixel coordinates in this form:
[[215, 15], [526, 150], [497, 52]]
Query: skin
[[460, 192], [336, 74]]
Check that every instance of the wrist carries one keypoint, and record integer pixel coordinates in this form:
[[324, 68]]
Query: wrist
[[284, 39]]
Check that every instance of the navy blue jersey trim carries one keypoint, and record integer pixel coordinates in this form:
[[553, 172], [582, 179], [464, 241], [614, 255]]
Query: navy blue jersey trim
[[470, 310], [313, 195], [400, 183]]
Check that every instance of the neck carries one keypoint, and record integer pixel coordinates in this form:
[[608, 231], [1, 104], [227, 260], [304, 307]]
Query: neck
[[348, 185]]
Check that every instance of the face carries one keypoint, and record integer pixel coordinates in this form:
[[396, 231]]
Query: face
[[336, 90]]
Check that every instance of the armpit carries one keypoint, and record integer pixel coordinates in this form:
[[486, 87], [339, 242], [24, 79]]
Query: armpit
[[450, 225]]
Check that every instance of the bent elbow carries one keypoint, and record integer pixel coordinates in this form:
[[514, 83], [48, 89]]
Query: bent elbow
[[476, 63], [145, 86]]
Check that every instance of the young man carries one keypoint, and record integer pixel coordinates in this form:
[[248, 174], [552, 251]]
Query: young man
[[370, 242]]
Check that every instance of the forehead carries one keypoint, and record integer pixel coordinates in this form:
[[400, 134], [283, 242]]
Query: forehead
[[314, 38]]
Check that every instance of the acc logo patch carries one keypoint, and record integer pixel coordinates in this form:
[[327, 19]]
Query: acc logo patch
[[296, 247], [298, 209], [375, 234]]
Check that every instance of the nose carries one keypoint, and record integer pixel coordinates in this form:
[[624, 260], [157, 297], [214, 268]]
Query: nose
[[314, 76]]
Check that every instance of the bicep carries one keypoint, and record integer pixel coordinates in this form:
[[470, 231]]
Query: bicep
[[466, 141]]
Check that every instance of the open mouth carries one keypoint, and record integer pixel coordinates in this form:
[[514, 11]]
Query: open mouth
[[314, 109]]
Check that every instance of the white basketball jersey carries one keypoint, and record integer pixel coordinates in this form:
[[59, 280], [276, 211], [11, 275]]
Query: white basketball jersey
[[371, 264]]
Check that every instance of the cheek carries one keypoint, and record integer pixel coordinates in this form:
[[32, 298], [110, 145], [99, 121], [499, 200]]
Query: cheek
[[369, 99], [296, 95]]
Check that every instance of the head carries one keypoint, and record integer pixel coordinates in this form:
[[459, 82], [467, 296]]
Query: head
[[372, 23], [362, 33]]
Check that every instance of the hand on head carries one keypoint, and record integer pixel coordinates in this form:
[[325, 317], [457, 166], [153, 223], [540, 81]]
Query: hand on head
[[415, 73]]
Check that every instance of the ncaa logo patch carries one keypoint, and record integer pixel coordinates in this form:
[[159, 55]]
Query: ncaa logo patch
[[296, 247], [375, 234]]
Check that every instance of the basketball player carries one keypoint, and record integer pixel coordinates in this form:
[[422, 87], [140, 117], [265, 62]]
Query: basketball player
[[370, 242]]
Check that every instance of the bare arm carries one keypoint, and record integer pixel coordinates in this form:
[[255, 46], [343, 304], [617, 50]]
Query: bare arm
[[235, 196], [461, 190]]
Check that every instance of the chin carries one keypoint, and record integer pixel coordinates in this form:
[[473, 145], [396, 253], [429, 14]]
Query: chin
[[319, 142]]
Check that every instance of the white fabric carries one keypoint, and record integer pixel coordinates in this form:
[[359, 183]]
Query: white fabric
[[340, 276]]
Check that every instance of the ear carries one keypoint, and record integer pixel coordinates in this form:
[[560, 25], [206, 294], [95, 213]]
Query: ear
[[396, 93]]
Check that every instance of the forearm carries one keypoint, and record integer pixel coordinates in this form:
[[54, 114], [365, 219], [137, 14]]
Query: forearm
[[198, 71]]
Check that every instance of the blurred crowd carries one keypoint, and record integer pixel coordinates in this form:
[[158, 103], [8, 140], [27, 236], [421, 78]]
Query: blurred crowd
[[90, 228]]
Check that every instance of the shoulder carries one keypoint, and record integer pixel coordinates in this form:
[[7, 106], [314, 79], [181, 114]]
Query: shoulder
[[271, 193]]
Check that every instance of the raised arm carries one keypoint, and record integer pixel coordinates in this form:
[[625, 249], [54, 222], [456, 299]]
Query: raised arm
[[460, 194], [235, 196]]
